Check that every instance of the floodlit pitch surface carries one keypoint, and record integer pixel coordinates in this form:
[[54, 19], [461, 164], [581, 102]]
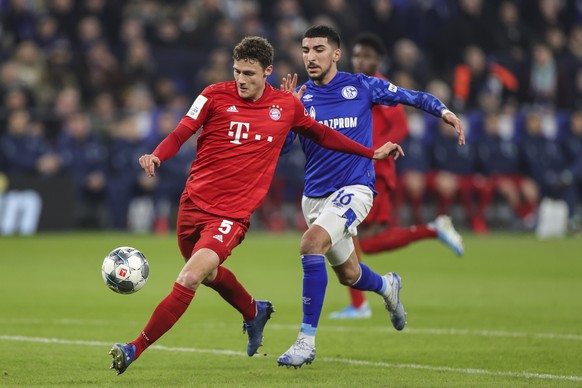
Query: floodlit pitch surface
[[509, 313]]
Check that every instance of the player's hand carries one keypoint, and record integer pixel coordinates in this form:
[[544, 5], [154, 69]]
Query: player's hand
[[149, 162], [388, 149], [452, 119], [289, 84]]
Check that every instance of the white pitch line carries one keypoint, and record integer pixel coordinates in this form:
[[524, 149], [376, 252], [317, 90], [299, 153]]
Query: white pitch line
[[470, 371], [276, 326], [453, 332]]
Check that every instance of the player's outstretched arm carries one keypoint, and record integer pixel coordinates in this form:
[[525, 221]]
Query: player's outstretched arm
[[149, 162], [289, 84], [452, 119], [388, 149]]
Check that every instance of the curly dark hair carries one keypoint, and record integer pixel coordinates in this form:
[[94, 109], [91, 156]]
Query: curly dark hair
[[254, 48]]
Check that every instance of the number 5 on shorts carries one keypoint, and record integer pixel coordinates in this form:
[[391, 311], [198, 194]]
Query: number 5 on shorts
[[225, 226]]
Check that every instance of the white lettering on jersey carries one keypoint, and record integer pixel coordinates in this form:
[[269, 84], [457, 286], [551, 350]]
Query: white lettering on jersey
[[196, 107], [341, 122], [393, 88], [238, 131], [241, 131]]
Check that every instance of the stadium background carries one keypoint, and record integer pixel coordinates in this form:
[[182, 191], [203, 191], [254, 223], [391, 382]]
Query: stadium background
[[88, 86]]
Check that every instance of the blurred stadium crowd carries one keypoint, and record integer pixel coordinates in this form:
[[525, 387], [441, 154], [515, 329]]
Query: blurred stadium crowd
[[87, 86]]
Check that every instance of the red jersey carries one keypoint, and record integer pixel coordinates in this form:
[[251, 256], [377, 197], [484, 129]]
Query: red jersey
[[240, 143], [389, 123]]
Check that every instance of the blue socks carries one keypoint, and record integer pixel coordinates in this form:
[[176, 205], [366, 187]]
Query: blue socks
[[314, 285], [369, 280]]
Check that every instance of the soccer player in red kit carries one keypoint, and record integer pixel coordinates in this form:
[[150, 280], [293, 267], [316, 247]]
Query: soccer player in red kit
[[379, 232], [244, 125]]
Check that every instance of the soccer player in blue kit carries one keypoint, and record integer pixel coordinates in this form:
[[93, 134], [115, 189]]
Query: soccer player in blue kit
[[339, 188]]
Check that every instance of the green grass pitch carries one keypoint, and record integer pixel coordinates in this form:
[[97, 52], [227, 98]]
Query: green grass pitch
[[507, 314]]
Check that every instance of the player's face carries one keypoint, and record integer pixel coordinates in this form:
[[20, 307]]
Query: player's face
[[320, 59], [250, 79], [365, 59]]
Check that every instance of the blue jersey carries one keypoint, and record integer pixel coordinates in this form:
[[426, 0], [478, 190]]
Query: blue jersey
[[345, 105]]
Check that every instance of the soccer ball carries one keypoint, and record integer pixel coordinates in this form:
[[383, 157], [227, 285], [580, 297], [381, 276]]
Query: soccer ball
[[125, 270]]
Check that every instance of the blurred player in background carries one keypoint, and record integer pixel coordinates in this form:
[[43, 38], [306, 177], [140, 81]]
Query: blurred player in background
[[244, 126], [339, 189], [379, 231]]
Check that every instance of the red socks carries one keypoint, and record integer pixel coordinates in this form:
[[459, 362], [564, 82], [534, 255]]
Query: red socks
[[229, 288], [393, 238], [175, 304], [357, 297], [164, 317]]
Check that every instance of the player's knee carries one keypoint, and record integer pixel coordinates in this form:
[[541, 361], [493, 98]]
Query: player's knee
[[310, 246], [313, 243], [190, 279]]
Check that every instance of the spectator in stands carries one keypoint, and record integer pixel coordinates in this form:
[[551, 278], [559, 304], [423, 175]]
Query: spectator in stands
[[511, 35], [383, 19], [125, 179], [408, 58], [476, 75], [499, 161], [24, 149], [547, 14], [138, 66], [289, 14], [61, 71], [413, 170], [171, 180], [66, 16], [453, 177], [471, 25], [19, 22], [411, 187], [343, 12], [102, 71], [104, 114], [545, 159], [67, 102], [575, 47], [107, 13], [139, 103], [218, 68], [131, 30], [572, 174], [47, 33], [13, 97], [90, 32], [83, 156], [543, 79]]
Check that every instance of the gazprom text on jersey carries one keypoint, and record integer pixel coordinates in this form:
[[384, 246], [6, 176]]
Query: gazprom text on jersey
[[341, 122]]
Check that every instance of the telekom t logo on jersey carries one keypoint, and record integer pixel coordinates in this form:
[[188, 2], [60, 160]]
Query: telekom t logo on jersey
[[240, 131]]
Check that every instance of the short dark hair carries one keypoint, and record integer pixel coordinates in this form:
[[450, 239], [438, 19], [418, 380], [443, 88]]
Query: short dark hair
[[370, 40], [254, 48], [322, 31]]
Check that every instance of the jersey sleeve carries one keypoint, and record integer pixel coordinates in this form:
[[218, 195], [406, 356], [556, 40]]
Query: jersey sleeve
[[385, 93], [305, 125], [188, 126]]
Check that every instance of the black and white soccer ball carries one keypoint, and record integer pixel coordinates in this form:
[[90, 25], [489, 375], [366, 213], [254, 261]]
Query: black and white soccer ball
[[125, 270]]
